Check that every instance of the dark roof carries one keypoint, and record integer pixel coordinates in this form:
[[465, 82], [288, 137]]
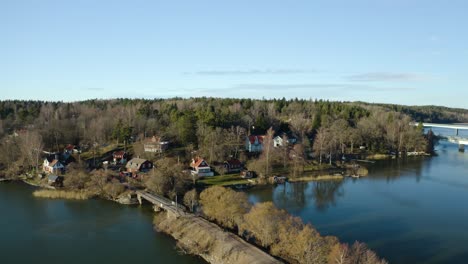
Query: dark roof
[[252, 139], [234, 162]]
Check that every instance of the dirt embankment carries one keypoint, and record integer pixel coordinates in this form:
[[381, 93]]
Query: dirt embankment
[[200, 237]]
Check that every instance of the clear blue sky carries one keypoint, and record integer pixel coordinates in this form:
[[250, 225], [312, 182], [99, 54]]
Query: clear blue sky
[[394, 51]]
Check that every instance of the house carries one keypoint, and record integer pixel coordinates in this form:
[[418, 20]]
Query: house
[[200, 167], [232, 165], [254, 143], [52, 165], [119, 157], [155, 145], [55, 180], [278, 141], [138, 165]]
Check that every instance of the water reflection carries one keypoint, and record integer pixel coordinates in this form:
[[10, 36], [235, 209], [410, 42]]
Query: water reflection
[[296, 196], [325, 193], [407, 210]]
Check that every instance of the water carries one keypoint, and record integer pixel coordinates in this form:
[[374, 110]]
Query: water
[[408, 211], [34, 230], [411, 211]]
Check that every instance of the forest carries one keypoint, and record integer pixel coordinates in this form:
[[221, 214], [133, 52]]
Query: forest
[[216, 129]]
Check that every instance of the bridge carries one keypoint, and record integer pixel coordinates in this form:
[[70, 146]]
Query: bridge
[[456, 127], [461, 141], [161, 203]]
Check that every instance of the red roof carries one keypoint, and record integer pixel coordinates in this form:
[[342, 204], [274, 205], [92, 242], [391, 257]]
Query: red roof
[[197, 162], [119, 153], [70, 147], [252, 139]]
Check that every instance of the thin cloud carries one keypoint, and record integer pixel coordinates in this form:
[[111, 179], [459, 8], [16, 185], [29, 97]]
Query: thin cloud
[[387, 77], [273, 86], [331, 87], [252, 72]]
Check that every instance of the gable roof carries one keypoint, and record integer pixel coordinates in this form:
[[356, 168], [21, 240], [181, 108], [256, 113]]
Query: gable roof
[[119, 153], [53, 162], [198, 162], [70, 147], [252, 139], [135, 163]]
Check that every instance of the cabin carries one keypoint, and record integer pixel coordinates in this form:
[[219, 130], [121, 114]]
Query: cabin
[[119, 157], [232, 165], [138, 165], [254, 143], [155, 145], [200, 168], [53, 165]]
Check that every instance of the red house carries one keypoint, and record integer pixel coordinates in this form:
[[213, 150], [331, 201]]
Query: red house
[[200, 167], [119, 156], [233, 165]]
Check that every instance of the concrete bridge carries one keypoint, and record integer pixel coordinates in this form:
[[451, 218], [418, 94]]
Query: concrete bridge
[[461, 141], [456, 127], [161, 203]]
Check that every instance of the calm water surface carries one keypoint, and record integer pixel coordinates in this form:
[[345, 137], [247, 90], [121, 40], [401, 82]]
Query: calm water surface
[[36, 230], [411, 211]]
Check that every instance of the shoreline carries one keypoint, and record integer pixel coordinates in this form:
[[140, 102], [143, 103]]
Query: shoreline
[[326, 177], [200, 237]]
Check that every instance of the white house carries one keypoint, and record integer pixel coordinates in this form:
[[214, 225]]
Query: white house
[[200, 167], [278, 141], [254, 143], [155, 145], [52, 166]]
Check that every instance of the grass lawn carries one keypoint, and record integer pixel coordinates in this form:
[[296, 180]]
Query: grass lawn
[[100, 151], [225, 180]]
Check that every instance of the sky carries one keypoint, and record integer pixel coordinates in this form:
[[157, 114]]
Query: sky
[[412, 52]]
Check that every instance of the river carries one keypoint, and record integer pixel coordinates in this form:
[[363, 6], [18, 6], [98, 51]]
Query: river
[[34, 230], [408, 211]]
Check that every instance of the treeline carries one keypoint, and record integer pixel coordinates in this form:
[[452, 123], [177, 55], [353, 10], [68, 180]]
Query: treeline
[[428, 113], [213, 128], [281, 234]]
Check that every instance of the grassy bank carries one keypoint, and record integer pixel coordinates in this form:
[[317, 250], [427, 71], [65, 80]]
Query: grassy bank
[[379, 156], [61, 194], [225, 180], [317, 178]]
